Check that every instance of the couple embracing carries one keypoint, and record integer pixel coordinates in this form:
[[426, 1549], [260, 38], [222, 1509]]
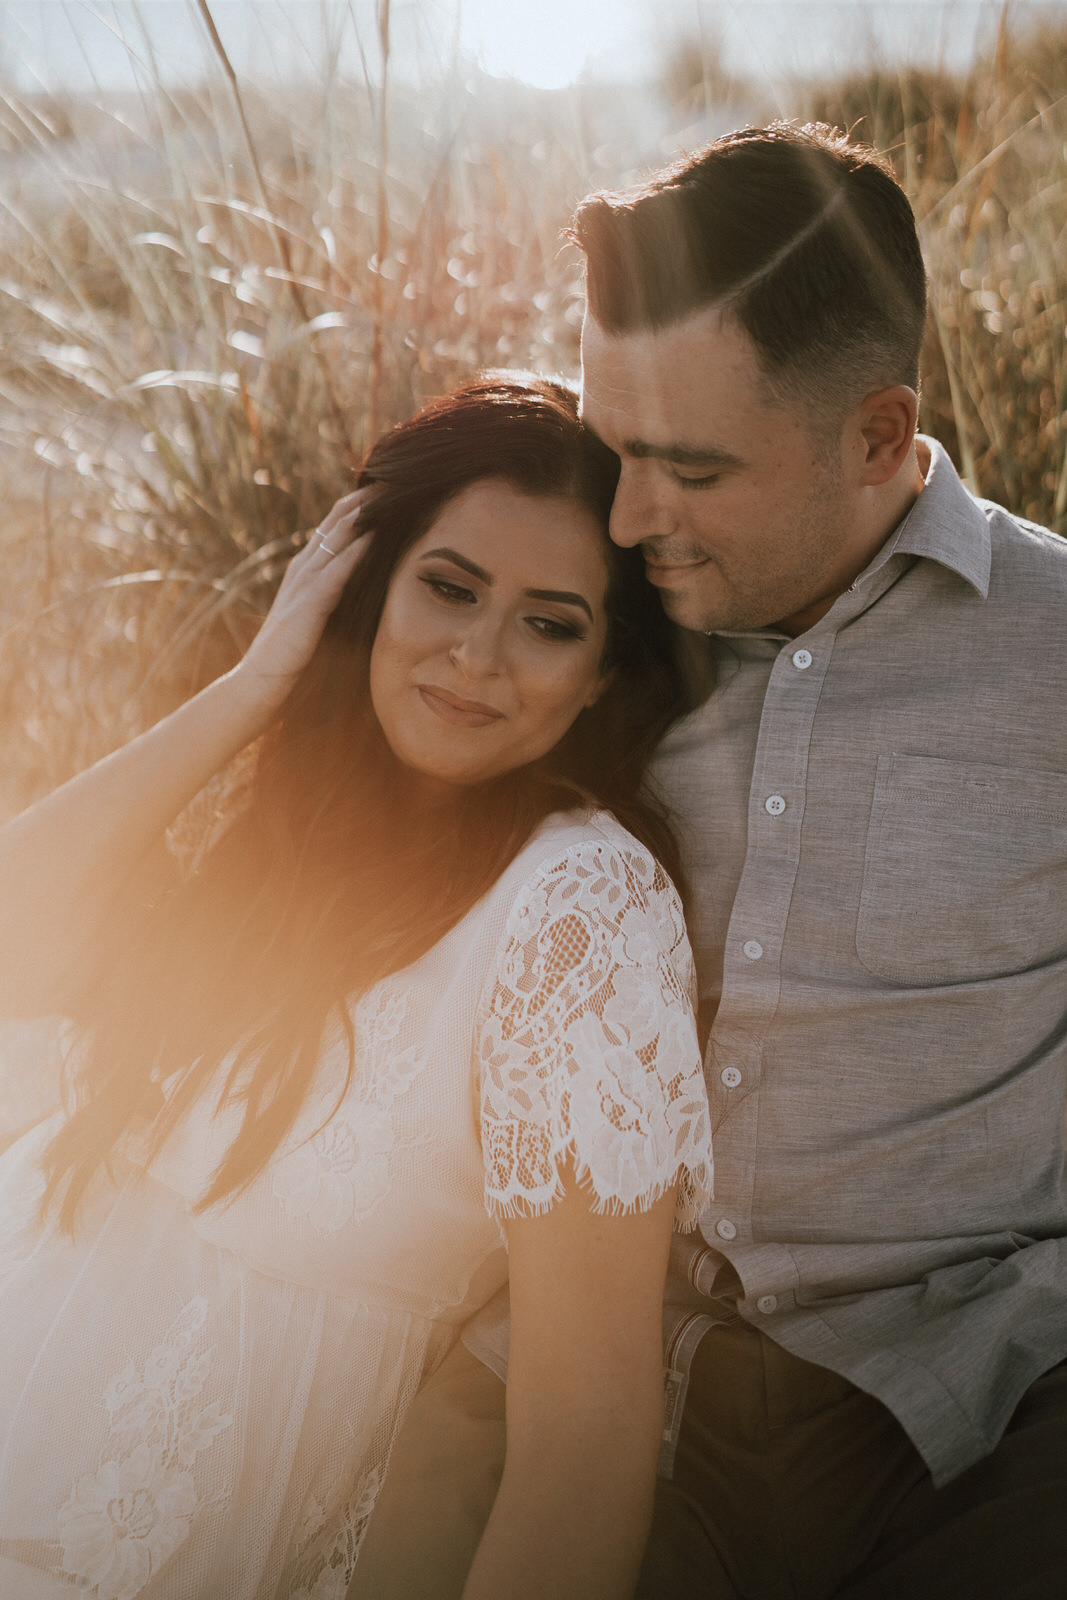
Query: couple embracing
[[421, 1027]]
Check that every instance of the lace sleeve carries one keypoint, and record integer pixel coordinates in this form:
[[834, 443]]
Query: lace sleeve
[[587, 1044]]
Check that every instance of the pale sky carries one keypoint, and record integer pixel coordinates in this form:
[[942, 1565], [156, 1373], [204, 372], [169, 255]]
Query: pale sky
[[72, 43], [549, 42]]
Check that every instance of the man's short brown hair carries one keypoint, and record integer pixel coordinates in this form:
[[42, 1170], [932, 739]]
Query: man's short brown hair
[[805, 238]]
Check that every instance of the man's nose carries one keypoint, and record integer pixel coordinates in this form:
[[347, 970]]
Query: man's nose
[[639, 510]]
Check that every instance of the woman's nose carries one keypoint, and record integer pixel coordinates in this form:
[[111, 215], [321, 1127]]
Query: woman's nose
[[478, 649]]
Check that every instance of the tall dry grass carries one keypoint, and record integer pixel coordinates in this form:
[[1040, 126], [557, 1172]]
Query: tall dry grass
[[212, 298], [984, 159], [211, 302]]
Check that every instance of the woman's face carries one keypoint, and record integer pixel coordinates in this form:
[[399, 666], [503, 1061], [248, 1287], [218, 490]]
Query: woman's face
[[492, 635]]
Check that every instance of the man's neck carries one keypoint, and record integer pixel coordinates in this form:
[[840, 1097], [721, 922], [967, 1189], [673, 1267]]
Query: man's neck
[[887, 515]]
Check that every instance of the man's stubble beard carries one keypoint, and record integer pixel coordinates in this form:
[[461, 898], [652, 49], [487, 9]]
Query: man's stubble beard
[[751, 604]]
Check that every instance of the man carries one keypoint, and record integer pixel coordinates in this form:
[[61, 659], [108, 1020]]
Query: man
[[865, 1396]]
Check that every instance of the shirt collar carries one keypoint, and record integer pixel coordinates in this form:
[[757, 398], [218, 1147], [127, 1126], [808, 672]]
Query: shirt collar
[[946, 524]]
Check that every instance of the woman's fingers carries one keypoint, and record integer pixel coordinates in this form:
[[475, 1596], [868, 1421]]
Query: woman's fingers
[[308, 593], [337, 536], [339, 527]]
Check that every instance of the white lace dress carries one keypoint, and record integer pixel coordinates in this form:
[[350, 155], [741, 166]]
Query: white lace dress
[[202, 1407]]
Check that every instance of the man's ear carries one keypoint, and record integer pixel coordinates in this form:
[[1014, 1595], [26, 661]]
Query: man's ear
[[885, 425]]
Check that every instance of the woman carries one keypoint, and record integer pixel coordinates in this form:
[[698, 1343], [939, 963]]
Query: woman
[[423, 996]]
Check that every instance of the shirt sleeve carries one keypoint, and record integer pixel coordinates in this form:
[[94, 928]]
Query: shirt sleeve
[[586, 1042]]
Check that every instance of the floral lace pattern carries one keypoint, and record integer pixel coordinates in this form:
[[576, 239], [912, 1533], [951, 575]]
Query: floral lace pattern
[[342, 1173], [331, 1543], [123, 1521], [21, 1226], [385, 1070], [198, 828], [587, 1044]]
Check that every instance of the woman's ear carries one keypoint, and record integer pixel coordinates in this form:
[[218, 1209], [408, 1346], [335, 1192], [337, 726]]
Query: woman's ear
[[603, 683]]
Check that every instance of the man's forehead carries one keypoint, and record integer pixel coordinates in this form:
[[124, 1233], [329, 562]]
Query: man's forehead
[[613, 357], [623, 375], [652, 379]]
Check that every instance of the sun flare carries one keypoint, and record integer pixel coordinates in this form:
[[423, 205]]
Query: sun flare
[[546, 43]]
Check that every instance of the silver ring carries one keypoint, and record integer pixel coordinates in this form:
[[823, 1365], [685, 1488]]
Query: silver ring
[[324, 546]]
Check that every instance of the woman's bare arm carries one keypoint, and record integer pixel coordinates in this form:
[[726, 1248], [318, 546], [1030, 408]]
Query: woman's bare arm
[[66, 860], [584, 1405]]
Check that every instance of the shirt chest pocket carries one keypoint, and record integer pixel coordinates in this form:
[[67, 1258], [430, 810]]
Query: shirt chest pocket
[[965, 872]]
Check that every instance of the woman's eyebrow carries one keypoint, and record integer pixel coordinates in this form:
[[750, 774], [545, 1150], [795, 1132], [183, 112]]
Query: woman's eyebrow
[[459, 561], [561, 596]]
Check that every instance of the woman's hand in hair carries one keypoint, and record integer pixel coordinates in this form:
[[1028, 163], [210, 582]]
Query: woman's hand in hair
[[309, 592]]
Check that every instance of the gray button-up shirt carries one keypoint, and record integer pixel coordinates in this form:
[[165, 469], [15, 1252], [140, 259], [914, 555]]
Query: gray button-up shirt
[[874, 818]]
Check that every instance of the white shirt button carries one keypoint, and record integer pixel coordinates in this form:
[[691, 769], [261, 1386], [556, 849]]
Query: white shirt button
[[802, 660], [725, 1228], [753, 949], [767, 1303], [731, 1076], [775, 804]]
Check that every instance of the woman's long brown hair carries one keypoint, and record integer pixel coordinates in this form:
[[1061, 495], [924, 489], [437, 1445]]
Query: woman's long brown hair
[[330, 879]]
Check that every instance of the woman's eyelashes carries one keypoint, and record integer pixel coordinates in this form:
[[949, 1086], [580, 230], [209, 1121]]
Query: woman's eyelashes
[[448, 589], [555, 628], [458, 594]]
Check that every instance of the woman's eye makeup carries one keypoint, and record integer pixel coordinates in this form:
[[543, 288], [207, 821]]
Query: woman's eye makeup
[[454, 592], [447, 588], [555, 628]]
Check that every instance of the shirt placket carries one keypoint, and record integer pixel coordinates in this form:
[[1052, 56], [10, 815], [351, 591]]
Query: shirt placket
[[756, 932]]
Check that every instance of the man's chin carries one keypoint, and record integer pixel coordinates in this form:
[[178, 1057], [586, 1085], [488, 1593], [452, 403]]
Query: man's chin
[[689, 611], [693, 596]]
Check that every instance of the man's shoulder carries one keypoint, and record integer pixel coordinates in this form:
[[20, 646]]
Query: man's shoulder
[[1006, 556], [1024, 549]]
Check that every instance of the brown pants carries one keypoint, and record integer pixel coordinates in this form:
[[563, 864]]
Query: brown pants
[[789, 1484]]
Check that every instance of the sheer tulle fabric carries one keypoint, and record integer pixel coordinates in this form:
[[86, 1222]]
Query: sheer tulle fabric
[[203, 1406]]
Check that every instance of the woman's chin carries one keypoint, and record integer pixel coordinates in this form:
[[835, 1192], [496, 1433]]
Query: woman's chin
[[436, 784]]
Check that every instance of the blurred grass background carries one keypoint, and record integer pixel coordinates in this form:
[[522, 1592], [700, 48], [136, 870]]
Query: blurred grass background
[[214, 297]]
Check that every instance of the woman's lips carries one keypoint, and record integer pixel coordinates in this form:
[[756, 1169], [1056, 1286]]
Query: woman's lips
[[460, 713]]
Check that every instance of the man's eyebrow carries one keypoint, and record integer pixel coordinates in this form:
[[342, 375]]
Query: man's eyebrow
[[561, 596], [682, 455]]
